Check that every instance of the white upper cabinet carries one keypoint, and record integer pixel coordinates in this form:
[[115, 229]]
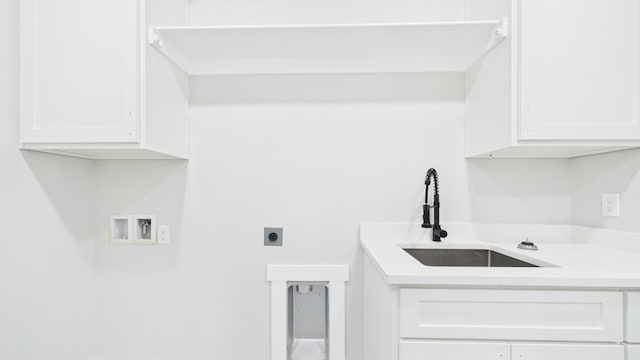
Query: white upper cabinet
[[86, 81], [109, 79], [579, 70], [78, 79], [565, 85]]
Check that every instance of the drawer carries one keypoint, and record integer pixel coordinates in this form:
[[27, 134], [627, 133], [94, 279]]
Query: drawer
[[511, 314], [486, 350], [453, 350], [541, 351], [633, 352], [632, 317]]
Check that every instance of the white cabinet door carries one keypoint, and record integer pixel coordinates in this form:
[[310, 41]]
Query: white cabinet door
[[453, 350], [79, 71], [579, 70], [566, 351]]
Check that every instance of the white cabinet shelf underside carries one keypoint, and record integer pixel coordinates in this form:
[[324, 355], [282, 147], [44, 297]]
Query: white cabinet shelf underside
[[555, 151], [341, 48]]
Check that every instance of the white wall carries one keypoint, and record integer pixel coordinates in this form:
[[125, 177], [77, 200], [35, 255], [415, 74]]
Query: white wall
[[315, 154], [46, 250], [243, 12], [617, 172]]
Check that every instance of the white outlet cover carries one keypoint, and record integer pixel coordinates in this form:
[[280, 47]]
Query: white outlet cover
[[611, 204], [163, 237]]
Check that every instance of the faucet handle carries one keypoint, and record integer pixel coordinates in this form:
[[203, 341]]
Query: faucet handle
[[426, 221], [441, 233], [438, 233]]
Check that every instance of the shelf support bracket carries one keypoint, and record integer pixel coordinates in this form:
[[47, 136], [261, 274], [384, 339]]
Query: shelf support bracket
[[155, 39], [499, 33]]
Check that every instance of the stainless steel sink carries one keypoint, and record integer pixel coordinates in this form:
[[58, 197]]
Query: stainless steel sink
[[466, 257]]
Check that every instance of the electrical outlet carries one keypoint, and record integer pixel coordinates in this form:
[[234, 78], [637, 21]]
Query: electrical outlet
[[273, 236], [610, 204], [164, 235]]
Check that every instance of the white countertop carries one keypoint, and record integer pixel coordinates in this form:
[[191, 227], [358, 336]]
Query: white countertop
[[570, 256]]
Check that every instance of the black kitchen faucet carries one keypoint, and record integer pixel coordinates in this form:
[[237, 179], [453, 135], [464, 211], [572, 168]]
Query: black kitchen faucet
[[438, 232]]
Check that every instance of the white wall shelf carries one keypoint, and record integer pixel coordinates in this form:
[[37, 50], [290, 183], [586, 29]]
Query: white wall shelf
[[328, 48]]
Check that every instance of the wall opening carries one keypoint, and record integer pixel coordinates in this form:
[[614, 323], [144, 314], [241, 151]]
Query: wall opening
[[308, 311], [308, 321]]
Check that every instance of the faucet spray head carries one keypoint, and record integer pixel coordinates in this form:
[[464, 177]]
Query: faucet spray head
[[438, 231]]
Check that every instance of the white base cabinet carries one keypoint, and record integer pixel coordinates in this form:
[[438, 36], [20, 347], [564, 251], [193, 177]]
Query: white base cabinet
[[90, 84], [423, 323]]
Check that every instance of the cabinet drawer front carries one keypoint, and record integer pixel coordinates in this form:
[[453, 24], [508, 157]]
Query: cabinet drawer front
[[453, 350], [511, 314], [566, 351], [632, 317], [633, 352]]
